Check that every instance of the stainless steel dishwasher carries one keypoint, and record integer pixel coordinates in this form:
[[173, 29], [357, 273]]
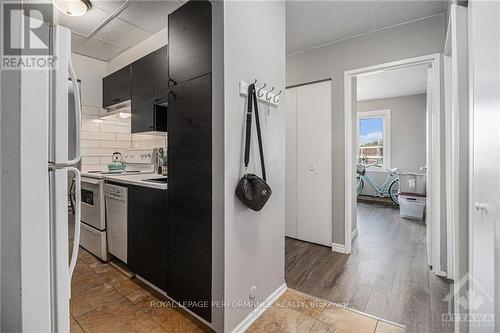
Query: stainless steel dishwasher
[[116, 220]]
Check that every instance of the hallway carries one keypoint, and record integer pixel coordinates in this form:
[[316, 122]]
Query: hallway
[[385, 276]]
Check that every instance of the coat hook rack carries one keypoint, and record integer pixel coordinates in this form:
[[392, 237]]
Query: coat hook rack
[[263, 95]]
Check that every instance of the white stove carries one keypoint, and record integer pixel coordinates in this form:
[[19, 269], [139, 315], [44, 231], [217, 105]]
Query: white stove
[[93, 228]]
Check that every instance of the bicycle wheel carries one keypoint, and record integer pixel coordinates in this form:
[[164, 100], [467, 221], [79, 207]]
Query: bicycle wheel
[[394, 191], [360, 186]]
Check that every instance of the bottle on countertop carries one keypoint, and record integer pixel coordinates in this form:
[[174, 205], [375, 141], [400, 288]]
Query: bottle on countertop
[[164, 167], [161, 157]]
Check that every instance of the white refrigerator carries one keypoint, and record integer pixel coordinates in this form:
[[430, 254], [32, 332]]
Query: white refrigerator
[[46, 264]]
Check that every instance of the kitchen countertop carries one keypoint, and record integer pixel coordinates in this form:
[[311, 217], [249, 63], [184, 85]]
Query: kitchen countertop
[[138, 179]]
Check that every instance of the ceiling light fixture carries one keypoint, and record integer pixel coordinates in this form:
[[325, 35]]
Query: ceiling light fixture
[[72, 7]]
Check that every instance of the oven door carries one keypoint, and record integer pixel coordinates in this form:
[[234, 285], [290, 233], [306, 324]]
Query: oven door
[[93, 203]]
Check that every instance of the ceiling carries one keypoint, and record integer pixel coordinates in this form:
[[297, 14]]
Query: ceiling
[[311, 24], [122, 24], [393, 83]]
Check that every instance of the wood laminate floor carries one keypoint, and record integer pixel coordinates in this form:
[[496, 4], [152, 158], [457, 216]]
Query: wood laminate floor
[[386, 275]]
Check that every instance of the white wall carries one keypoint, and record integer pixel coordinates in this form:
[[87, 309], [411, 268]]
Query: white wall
[[149, 45], [405, 41], [254, 241]]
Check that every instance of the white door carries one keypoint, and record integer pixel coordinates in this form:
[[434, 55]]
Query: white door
[[313, 129], [291, 164], [484, 53], [429, 198]]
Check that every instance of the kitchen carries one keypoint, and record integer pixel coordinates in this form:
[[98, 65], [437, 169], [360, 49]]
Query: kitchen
[[145, 147]]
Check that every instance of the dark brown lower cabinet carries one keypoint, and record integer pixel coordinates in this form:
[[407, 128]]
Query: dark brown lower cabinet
[[190, 194], [148, 234]]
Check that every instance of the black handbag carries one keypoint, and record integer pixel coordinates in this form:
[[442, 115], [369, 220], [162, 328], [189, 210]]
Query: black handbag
[[252, 190]]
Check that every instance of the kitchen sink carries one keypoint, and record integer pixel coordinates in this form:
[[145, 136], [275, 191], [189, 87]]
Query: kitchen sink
[[163, 180]]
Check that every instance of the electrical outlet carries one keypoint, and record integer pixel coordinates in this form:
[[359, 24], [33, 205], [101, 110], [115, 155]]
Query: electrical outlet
[[253, 293], [243, 88]]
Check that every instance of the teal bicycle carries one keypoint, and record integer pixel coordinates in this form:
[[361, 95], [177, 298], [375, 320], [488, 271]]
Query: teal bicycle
[[390, 187]]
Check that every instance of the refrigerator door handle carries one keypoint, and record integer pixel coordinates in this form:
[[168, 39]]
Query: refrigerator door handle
[[78, 116], [78, 214]]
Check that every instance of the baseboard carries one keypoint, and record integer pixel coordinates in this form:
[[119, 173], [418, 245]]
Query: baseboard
[[340, 248], [354, 233], [257, 312]]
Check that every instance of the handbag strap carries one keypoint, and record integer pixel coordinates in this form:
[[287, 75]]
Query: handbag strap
[[252, 97]]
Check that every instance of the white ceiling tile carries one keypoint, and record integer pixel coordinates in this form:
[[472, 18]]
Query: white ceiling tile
[[122, 33], [108, 5], [84, 24], [149, 15], [76, 40], [98, 49]]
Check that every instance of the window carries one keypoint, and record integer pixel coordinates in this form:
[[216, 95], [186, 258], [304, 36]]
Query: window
[[374, 138]]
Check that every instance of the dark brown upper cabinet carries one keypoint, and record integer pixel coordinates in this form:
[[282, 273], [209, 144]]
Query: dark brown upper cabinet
[[160, 58], [116, 87], [190, 41], [150, 92]]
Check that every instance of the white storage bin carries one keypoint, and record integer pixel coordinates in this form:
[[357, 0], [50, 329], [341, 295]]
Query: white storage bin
[[411, 207], [412, 183]]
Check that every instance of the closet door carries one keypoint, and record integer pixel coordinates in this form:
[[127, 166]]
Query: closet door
[[291, 164], [314, 163]]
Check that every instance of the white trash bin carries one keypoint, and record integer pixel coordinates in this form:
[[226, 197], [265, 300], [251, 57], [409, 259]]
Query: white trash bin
[[411, 207], [412, 183]]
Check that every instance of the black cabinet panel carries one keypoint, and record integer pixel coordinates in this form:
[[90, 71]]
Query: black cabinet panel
[[190, 41], [190, 193], [148, 234], [108, 91], [123, 90], [116, 87], [161, 74], [142, 95]]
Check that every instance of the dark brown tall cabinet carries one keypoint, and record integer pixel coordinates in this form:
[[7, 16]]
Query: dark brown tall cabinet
[[189, 273]]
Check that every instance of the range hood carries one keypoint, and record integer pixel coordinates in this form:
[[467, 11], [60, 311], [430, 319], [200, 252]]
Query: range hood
[[117, 111]]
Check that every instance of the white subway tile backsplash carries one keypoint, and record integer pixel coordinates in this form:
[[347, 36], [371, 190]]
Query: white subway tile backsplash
[[90, 144], [102, 137], [93, 167], [105, 160], [115, 129], [108, 143], [98, 135], [123, 137], [91, 126], [90, 110], [97, 151], [90, 160]]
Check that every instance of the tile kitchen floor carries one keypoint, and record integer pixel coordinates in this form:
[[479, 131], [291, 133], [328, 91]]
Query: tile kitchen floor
[[298, 312], [105, 300]]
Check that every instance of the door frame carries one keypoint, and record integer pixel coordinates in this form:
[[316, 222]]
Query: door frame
[[434, 165]]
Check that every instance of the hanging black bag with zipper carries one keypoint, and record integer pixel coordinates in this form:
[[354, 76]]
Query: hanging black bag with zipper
[[252, 190]]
